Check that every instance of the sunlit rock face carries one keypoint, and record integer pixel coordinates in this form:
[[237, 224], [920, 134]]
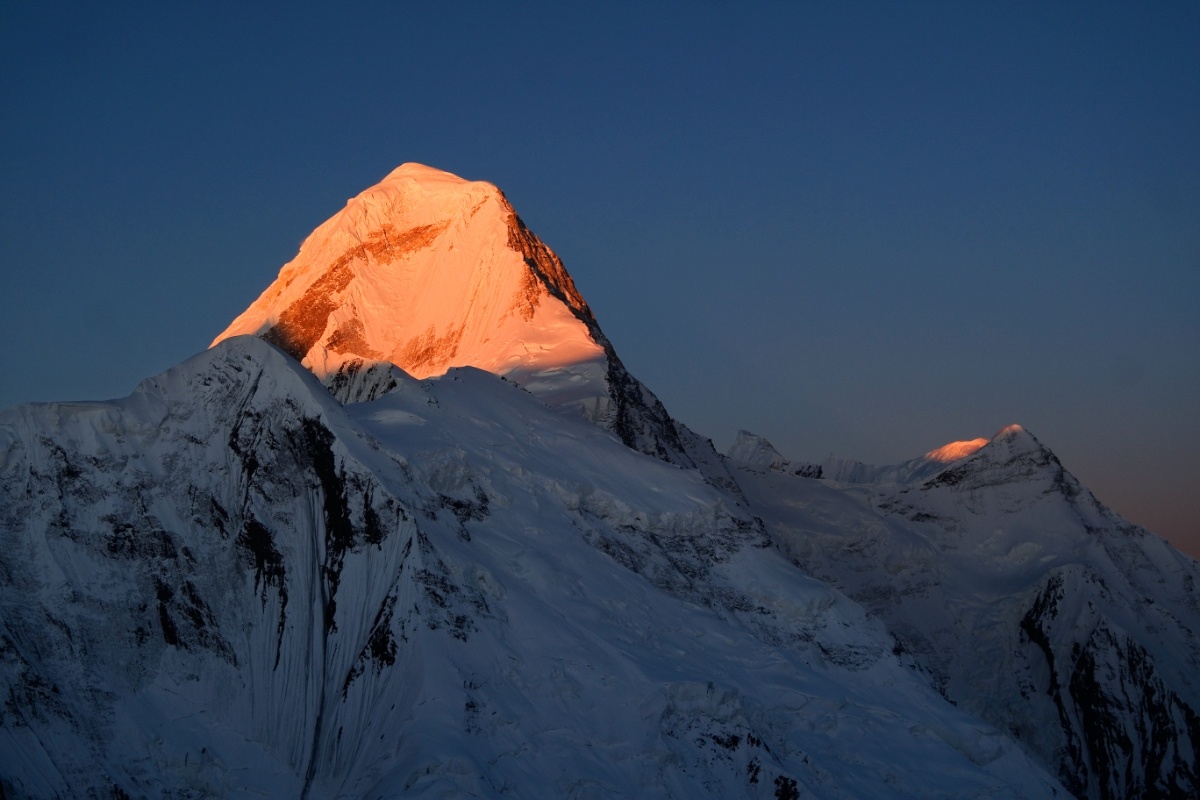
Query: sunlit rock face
[[427, 271]]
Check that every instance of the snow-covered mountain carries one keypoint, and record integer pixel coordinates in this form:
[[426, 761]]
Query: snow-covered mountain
[[427, 271], [228, 583], [1028, 602], [421, 534]]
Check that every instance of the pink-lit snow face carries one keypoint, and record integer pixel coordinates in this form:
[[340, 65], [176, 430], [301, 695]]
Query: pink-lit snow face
[[426, 271], [955, 450]]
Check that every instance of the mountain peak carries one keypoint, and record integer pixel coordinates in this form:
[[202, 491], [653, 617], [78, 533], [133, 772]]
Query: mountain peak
[[750, 448], [1015, 439], [411, 169], [427, 271], [1010, 431], [1012, 456]]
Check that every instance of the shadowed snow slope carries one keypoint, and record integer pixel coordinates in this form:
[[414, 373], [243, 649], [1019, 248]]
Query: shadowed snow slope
[[228, 584], [1029, 602]]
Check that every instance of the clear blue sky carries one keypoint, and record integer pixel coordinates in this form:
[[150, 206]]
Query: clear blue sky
[[859, 228]]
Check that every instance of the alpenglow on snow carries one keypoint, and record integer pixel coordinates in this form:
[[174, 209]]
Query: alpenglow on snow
[[409, 528]]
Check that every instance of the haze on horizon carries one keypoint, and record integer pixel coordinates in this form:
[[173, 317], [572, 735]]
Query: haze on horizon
[[853, 228]]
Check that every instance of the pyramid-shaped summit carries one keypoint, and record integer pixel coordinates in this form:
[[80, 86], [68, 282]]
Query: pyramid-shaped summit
[[427, 271]]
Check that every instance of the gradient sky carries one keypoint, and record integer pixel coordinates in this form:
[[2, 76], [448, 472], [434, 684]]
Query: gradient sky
[[856, 228]]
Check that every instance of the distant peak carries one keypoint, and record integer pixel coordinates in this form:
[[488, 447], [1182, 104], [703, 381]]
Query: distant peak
[[751, 448], [1012, 437], [1016, 437]]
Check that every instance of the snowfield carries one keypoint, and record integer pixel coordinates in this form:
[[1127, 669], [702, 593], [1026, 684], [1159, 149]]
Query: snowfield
[[229, 583]]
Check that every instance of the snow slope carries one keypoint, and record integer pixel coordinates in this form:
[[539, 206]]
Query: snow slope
[[1028, 602], [228, 584]]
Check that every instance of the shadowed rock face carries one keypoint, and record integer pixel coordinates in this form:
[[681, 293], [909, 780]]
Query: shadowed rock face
[[1125, 732], [546, 273]]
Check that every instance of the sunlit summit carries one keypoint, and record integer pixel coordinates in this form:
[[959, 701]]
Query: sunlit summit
[[428, 271]]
